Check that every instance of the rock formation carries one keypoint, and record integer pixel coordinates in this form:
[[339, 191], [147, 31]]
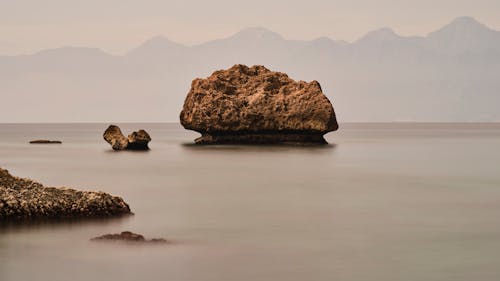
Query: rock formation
[[113, 135], [128, 236], [138, 140], [45, 142], [135, 141], [255, 105], [26, 199]]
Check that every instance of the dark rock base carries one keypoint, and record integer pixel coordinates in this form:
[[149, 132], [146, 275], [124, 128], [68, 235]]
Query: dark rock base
[[137, 146], [262, 138]]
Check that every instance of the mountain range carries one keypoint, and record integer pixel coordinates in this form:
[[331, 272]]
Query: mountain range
[[450, 75]]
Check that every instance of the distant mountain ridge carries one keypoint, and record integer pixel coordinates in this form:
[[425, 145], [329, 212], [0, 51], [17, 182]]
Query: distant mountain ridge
[[451, 74]]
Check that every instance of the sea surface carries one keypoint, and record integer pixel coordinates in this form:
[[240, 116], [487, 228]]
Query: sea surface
[[384, 202]]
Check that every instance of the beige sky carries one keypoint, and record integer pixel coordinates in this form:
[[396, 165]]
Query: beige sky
[[118, 25]]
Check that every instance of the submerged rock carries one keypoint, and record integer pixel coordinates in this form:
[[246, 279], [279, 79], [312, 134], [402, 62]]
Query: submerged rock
[[135, 141], [45, 142], [255, 105], [27, 199], [128, 237]]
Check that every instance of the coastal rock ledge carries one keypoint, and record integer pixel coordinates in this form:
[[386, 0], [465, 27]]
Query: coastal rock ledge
[[253, 105], [22, 199]]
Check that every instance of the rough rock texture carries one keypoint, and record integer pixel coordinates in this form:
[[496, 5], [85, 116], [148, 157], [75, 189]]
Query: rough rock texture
[[114, 136], [45, 142], [255, 105], [128, 237], [26, 199], [135, 141], [138, 140]]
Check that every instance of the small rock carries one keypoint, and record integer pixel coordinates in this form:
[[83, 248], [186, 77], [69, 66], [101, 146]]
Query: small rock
[[45, 142], [113, 135], [128, 237], [138, 140], [135, 141]]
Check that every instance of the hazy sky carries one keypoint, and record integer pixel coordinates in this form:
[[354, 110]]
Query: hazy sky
[[118, 25]]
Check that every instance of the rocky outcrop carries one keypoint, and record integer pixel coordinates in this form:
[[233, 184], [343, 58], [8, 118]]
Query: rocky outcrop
[[114, 136], [136, 141], [45, 142], [128, 236], [26, 199], [255, 105]]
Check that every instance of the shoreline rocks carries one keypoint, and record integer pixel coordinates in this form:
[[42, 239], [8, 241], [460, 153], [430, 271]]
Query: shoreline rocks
[[24, 199], [45, 142], [136, 141], [253, 105], [127, 236]]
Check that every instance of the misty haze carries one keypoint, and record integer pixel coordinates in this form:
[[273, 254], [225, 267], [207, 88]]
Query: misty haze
[[450, 75]]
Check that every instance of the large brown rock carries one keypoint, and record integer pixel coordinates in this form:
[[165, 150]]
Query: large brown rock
[[27, 199], [136, 141], [255, 105]]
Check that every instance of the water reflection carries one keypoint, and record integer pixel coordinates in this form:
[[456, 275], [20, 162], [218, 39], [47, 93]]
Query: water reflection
[[8, 227], [260, 147], [128, 151]]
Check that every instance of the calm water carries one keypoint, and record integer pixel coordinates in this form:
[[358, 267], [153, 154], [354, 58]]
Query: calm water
[[382, 202]]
